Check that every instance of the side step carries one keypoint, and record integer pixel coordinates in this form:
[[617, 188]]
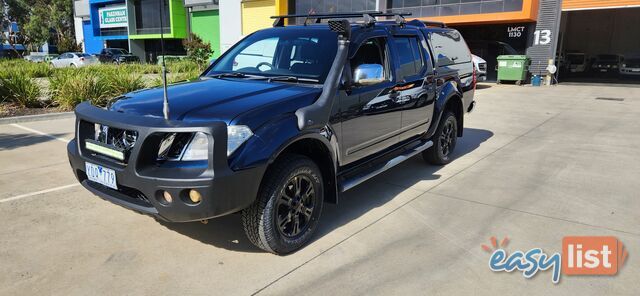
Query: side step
[[356, 180]]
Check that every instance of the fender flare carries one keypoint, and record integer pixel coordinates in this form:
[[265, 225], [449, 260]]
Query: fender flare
[[271, 140], [446, 93]]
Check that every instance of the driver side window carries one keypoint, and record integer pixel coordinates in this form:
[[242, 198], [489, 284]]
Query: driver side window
[[261, 52], [372, 58]]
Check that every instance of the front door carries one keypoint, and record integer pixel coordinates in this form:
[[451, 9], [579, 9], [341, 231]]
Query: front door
[[371, 118]]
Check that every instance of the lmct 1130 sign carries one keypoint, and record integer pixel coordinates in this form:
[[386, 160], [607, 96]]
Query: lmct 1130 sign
[[113, 17]]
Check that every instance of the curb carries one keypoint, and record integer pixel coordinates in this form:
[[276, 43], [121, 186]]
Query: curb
[[39, 117]]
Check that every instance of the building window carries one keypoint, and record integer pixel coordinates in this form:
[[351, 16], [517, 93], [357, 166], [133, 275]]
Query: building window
[[333, 6], [147, 20], [427, 8]]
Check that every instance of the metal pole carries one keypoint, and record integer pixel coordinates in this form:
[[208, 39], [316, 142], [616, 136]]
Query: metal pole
[[165, 104]]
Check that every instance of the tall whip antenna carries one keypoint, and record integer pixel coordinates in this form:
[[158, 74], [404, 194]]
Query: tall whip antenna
[[165, 104]]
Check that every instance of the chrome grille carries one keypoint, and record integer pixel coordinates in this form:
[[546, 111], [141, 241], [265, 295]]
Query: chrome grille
[[482, 67], [118, 138]]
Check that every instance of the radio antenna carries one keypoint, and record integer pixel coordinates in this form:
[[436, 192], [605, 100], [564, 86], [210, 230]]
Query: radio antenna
[[165, 103]]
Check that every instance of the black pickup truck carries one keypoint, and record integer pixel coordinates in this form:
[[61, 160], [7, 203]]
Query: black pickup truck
[[117, 56], [287, 119]]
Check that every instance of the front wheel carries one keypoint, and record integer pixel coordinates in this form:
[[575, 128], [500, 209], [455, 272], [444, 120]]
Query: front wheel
[[285, 215], [444, 141]]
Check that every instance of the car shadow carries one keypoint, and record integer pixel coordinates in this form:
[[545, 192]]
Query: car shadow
[[483, 86], [13, 141], [227, 232]]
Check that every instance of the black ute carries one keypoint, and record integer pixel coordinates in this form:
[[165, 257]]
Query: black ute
[[287, 119]]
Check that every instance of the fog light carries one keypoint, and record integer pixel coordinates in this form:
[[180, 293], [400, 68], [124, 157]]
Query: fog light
[[195, 196], [167, 197]]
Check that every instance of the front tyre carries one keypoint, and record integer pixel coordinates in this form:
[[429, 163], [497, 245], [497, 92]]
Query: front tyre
[[444, 141], [286, 212]]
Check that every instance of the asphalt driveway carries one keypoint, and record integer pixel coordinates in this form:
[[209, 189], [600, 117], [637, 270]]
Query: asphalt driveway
[[535, 165]]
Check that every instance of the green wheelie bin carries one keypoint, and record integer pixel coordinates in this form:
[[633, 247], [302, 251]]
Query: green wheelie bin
[[513, 68]]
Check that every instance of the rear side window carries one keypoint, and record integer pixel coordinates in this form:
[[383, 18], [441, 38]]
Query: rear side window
[[410, 61], [449, 48]]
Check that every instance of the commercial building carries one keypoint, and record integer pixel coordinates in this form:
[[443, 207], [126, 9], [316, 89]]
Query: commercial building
[[137, 25], [548, 31]]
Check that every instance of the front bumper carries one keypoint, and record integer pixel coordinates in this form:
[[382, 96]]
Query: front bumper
[[141, 181]]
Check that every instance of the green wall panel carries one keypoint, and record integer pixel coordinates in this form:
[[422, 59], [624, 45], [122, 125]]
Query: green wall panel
[[206, 24]]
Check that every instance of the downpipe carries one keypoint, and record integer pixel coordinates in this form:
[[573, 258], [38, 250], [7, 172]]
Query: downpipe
[[317, 114]]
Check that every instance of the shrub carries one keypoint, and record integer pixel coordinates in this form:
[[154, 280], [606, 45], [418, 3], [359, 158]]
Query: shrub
[[20, 89], [183, 66], [70, 87], [197, 50], [121, 82]]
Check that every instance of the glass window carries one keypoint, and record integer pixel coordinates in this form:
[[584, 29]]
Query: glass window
[[305, 53], [410, 61], [428, 8], [449, 48], [373, 51], [147, 16]]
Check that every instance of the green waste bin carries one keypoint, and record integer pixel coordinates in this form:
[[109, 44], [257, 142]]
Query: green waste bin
[[513, 68]]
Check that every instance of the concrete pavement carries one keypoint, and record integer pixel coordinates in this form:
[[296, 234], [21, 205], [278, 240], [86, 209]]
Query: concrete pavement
[[535, 165]]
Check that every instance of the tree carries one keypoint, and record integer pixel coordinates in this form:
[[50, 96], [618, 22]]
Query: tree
[[198, 50], [36, 29], [42, 21]]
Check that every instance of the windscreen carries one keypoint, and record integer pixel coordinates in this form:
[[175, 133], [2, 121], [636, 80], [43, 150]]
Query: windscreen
[[303, 53]]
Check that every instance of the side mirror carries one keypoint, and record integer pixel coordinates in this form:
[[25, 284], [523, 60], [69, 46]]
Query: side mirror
[[368, 74]]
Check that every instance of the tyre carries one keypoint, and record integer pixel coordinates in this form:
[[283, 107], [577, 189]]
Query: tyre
[[286, 212], [444, 141]]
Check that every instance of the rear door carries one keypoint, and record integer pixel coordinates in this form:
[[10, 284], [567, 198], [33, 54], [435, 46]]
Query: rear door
[[414, 91]]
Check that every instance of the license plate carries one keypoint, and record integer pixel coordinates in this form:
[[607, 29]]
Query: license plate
[[603, 70], [101, 175]]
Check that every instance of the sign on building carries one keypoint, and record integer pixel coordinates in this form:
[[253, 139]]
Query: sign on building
[[113, 17]]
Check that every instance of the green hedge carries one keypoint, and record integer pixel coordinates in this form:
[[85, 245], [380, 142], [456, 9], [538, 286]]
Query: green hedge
[[98, 84]]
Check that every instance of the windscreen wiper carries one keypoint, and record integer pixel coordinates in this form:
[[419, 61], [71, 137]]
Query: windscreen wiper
[[291, 79], [229, 75]]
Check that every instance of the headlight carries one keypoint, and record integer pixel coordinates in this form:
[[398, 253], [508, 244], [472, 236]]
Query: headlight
[[624, 65], [236, 136], [198, 148]]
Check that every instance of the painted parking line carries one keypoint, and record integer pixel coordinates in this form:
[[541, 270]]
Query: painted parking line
[[38, 192], [40, 133]]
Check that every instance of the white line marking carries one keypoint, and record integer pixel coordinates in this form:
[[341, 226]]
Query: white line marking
[[38, 192], [39, 132]]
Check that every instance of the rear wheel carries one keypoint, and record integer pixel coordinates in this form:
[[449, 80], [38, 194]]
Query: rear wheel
[[444, 141], [285, 215]]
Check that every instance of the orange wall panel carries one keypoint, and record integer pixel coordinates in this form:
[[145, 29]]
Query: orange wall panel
[[595, 4], [529, 13]]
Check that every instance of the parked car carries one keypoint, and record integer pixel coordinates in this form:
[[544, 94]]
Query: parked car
[[39, 57], [606, 63], [630, 65], [276, 138], [490, 51], [576, 62], [74, 59], [481, 67], [117, 55]]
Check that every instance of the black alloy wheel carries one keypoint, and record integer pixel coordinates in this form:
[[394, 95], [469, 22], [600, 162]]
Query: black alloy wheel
[[295, 206], [286, 212], [444, 140]]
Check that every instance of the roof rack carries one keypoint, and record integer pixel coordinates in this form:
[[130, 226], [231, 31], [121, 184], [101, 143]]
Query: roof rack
[[369, 17]]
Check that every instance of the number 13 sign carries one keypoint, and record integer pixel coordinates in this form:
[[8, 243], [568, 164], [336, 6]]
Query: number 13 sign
[[542, 37]]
